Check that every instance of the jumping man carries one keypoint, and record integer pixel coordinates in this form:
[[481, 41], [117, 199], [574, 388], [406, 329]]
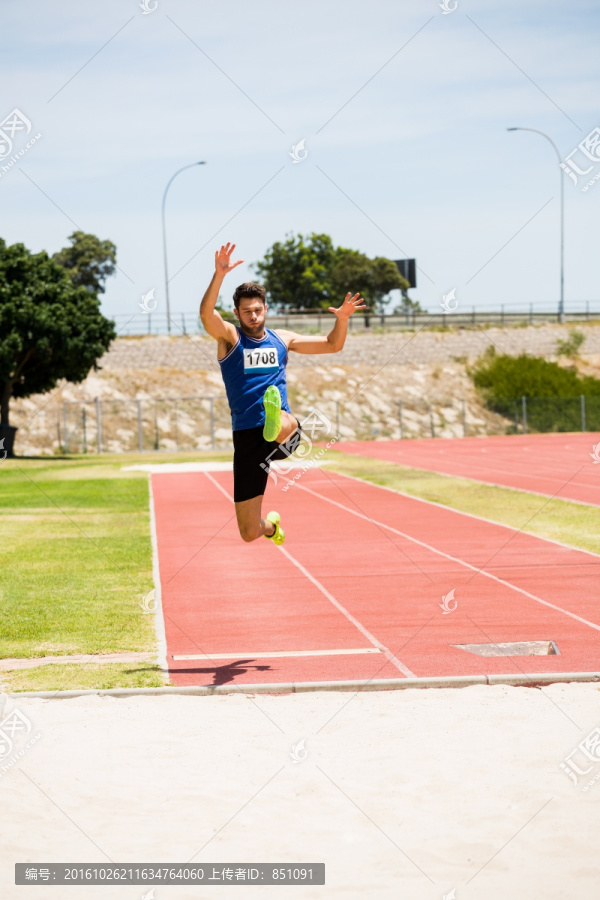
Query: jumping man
[[253, 360]]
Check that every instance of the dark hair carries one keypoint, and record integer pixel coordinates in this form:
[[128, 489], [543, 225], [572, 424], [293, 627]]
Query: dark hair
[[248, 290]]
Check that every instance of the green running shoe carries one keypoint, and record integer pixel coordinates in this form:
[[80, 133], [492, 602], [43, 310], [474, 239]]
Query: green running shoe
[[272, 405], [278, 536]]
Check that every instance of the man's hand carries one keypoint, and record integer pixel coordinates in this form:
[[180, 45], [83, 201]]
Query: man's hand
[[223, 263], [212, 320], [349, 306], [333, 343]]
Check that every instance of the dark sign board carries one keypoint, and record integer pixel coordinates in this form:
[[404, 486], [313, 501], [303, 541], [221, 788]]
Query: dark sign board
[[408, 270]]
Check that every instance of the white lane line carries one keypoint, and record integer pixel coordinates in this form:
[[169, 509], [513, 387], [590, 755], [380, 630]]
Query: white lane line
[[217, 485], [547, 540], [373, 640], [455, 559], [159, 621], [387, 653], [181, 467], [276, 654], [497, 484]]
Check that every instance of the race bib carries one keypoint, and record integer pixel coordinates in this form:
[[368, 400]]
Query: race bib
[[261, 360]]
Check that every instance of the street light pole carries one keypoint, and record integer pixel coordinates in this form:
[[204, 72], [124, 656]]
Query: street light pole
[[561, 302], [164, 199]]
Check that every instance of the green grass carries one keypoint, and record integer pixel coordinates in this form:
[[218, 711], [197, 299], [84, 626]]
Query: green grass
[[76, 561], [559, 520], [82, 677]]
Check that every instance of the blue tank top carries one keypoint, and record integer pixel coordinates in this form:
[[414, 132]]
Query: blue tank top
[[248, 369]]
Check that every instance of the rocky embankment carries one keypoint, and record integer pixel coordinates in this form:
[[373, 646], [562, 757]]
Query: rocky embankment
[[375, 385]]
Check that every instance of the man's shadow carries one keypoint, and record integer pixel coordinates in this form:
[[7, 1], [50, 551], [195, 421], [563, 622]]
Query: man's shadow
[[224, 674]]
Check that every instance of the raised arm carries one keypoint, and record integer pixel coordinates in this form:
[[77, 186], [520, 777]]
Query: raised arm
[[213, 321], [335, 340]]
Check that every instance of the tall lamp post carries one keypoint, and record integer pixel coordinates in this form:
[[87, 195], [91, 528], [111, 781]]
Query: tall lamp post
[[164, 199], [561, 302]]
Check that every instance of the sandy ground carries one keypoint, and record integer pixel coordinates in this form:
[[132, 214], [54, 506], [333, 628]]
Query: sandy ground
[[402, 794]]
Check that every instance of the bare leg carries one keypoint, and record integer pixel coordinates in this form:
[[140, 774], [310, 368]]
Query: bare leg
[[289, 426], [249, 520], [250, 523]]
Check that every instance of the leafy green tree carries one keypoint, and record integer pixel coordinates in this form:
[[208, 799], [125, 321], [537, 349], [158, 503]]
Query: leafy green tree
[[310, 273], [296, 274], [49, 328], [374, 278], [88, 261]]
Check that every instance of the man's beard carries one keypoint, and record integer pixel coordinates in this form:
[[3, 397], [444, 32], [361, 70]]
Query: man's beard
[[252, 329]]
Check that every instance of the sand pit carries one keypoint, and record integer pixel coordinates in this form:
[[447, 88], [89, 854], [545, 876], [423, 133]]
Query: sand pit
[[402, 794]]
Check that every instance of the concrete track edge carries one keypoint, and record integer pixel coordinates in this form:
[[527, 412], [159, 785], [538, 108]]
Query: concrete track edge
[[392, 684]]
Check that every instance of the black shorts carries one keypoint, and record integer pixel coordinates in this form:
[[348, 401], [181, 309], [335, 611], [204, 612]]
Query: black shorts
[[251, 458]]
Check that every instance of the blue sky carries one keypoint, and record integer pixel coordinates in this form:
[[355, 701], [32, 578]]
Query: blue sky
[[403, 110]]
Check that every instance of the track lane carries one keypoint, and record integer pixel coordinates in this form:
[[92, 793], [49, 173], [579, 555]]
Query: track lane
[[504, 603], [548, 464], [220, 594], [390, 575]]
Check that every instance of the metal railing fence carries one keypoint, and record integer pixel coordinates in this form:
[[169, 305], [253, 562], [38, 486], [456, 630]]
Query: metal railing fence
[[185, 323]]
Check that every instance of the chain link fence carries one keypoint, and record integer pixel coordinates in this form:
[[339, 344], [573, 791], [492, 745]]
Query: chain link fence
[[203, 423], [125, 426], [545, 414]]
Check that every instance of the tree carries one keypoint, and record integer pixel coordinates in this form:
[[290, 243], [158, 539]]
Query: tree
[[88, 261], [374, 278], [296, 274], [310, 273], [49, 328]]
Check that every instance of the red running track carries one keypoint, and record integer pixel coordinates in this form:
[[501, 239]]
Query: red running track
[[550, 464], [363, 568]]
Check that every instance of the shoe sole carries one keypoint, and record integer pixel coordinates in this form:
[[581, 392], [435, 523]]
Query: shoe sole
[[272, 405]]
